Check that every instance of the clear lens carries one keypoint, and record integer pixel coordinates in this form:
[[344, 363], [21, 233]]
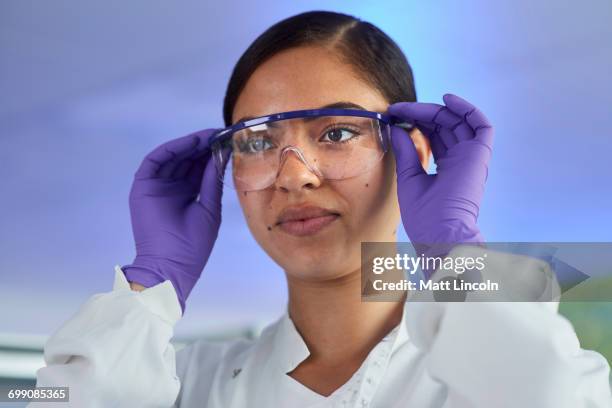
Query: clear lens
[[334, 147]]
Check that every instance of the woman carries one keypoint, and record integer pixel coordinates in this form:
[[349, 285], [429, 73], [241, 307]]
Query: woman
[[310, 202]]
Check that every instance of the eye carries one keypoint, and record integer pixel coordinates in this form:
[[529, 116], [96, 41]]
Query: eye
[[254, 145], [340, 135]]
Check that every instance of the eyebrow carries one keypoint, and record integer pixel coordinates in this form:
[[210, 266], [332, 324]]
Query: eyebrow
[[335, 105]]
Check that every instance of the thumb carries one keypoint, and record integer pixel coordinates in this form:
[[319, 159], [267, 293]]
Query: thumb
[[211, 187], [407, 161]]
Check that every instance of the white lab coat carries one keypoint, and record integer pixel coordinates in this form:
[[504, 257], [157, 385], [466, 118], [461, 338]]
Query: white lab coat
[[116, 352]]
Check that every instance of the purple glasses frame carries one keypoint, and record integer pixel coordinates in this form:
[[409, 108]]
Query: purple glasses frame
[[223, 134]]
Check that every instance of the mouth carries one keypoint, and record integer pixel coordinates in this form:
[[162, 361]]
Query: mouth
[[305, 220]]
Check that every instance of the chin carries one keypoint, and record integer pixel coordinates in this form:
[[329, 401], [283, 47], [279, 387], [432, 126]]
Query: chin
[[318, 264], [320, 274]]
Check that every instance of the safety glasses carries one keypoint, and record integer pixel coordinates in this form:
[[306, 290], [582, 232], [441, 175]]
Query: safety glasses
[[333, 144]]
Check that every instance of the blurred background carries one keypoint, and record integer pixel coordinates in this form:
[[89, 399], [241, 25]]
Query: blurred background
[[88, 88]]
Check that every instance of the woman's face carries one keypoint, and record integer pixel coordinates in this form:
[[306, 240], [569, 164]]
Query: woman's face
[[366, 205]]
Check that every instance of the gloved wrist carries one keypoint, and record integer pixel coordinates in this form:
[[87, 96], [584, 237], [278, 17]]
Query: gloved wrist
[[143, 275], [149, 273]]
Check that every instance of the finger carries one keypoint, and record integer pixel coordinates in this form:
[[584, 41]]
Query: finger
[[438, 148], [445, 122], [428, 129], [482, 127], [413, 111], [211, 189], [169, 168], [448, 137], [407, 159], [183, 168], [222, 158], [199, 160], [155, 160], [426, 112], [195, 173], [147, 169], [476, 120], [443, 119], [441, 138], [485, 134], [446, 118], [458, 105], [463, 132], [204, 137]]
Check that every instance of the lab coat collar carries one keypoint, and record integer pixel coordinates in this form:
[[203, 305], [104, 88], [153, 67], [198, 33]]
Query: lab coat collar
[[290, 348]]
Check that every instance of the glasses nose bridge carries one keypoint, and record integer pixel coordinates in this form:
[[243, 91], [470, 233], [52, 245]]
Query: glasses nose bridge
[[284, 155]]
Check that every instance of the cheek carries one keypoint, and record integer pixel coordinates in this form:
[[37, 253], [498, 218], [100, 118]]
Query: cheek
[[257, 209], [373, 203], [367, 194], [253, 208]]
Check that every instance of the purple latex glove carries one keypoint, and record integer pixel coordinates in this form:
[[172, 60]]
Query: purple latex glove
[[442, 208], [175, 207]]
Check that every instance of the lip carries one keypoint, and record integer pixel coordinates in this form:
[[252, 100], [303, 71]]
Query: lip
[[305, 220]]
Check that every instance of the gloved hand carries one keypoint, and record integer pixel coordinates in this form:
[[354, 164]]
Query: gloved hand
[[442, 208], [175, 207]]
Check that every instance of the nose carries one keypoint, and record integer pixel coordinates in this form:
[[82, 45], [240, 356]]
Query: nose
[[294, 173]]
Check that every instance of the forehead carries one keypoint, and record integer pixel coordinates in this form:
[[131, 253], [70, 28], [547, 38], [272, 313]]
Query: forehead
[[304, 78]]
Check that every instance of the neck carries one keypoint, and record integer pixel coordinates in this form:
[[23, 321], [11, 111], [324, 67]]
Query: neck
[[336, 325]]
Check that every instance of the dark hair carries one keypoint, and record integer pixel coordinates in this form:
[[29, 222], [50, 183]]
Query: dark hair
[[376, 57]]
